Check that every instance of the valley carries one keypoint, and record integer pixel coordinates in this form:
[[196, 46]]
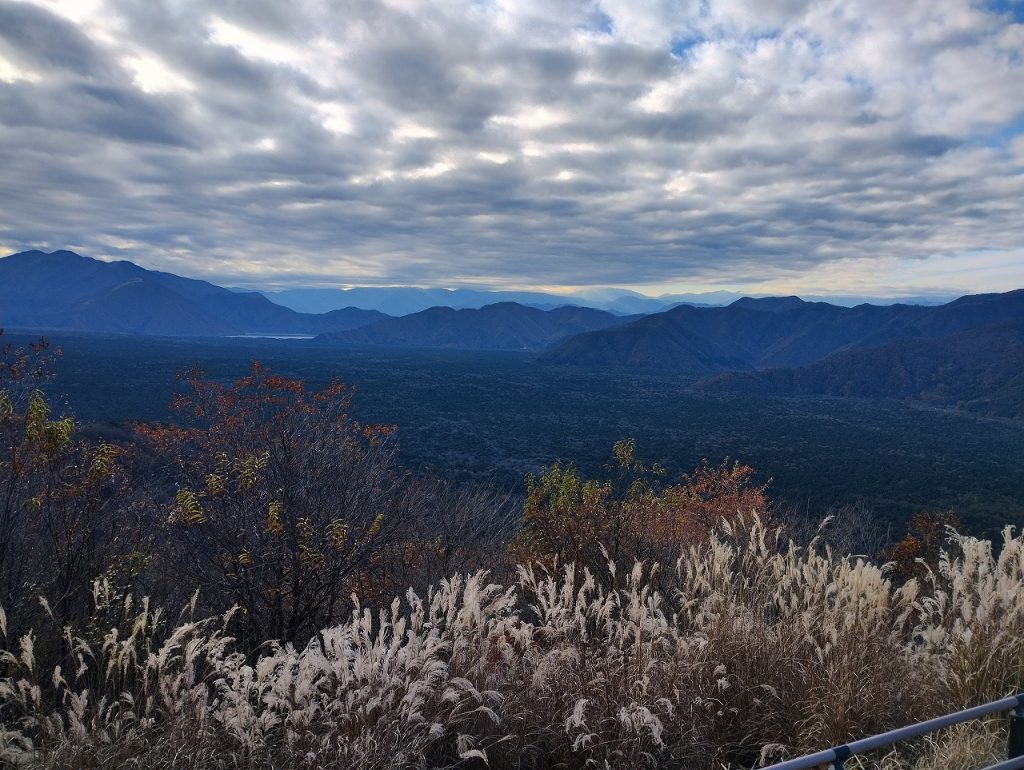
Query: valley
[[491, 417]]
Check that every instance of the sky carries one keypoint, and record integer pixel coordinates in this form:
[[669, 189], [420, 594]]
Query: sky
[[769, 146]]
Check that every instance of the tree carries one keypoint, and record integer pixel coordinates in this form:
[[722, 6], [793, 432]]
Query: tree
[[67, 513], [24, 370], [283, 503]]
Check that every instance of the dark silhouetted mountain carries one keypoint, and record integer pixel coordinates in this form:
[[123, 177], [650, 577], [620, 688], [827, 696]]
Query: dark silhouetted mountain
[[770, 304], [963, 313], [980, 369], [753, 334], [700, 341], [663, 342], [63, 290], [502, 326]]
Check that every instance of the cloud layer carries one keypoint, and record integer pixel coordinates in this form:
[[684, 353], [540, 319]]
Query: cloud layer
[[835, 145]]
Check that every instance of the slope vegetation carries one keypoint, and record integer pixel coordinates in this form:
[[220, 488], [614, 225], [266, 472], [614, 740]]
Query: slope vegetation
[[980, 369], [501, 326]]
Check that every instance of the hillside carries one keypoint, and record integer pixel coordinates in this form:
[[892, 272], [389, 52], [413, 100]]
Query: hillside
[[774, 332], [967, 312], [981, 369], [748, 334], [501, 326], [63, 290]]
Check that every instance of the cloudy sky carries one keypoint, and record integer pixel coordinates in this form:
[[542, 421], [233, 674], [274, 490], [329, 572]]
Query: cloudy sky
[[766, 145]]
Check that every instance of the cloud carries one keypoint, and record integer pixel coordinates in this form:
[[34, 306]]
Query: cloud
[[35, 38], [535, 143]]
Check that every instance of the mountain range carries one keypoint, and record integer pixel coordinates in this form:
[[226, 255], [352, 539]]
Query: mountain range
[[63, 290], [752, 334], [501, 326], [403, 300], [968, 352]]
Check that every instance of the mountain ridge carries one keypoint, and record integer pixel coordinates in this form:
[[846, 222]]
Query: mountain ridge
[[65, 290], [404, 300], [763, 333], [979, 368], [499, 326]]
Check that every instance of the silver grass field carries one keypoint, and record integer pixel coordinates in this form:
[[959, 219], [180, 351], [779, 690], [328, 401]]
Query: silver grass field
[[747, 650]]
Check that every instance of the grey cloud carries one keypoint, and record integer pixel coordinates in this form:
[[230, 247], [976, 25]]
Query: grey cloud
[[629, 63], [40, 38], [113, 112], [529, 144], [554, 66]]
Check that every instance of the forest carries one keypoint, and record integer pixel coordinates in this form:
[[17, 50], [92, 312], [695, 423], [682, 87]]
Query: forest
[[490, 418], [259, 581]]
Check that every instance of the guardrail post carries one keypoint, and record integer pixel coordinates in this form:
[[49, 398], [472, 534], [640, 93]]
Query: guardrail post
[[842, 753], [1015, 745]]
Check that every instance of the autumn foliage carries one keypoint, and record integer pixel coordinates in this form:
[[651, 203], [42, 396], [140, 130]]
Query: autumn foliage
[[283, 504], [633, 513], [68, 513], [917, 553]]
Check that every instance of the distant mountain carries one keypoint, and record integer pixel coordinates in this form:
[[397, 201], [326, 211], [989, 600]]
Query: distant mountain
[[63, 290], [980, 369], [770, 304], [700, 341], [773, 332], [642, 305], [501, 326], [403, 300]]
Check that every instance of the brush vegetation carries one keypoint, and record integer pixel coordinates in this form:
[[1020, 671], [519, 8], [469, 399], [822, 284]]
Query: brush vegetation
[[259, 586]]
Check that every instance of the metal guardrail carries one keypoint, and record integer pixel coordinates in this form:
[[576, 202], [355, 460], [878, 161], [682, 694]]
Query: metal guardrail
[[837, 755]]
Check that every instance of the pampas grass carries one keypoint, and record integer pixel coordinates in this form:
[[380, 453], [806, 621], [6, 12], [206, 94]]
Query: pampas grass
[[747, 650]]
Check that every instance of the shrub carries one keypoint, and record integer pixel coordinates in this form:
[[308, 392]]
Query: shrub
[[633, 514]]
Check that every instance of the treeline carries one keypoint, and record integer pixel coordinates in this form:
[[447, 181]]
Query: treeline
[[262, 495], [265, 510]]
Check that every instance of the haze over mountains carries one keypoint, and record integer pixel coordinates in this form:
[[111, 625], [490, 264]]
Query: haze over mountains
[[402, 300], [968, 352]]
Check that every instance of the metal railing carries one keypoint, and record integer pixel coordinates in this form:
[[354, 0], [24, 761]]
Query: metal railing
[[837, 755]]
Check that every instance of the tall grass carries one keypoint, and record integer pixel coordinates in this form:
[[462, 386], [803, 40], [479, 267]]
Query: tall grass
[[748, 649]]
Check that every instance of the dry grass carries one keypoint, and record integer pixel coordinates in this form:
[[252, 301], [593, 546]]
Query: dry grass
[[746, 650]]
